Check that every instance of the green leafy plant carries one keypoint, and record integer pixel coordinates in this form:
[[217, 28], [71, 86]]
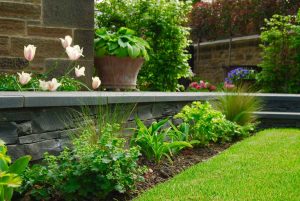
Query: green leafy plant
[[10, 173], [122, 43], [209, 125], [162, 25], [281, 64], [239, 107], [88, 171], [153, 141]]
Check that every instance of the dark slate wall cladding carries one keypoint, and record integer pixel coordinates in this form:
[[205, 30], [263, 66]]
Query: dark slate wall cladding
[[41, 23], [42, 130]]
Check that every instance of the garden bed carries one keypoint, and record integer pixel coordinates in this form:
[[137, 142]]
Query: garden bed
[[166, 170]]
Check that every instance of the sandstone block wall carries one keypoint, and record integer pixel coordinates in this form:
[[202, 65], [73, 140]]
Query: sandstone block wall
[[41, 23], [210, 57]]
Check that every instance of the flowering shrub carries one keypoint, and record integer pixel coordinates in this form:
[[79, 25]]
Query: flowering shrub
[[24, 81], [238, 75], [201, 86]]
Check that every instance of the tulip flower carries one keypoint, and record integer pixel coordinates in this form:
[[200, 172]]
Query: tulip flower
[[66, 42], [43, 85], [29, 52], [74, 53], [53, 85], [24, 78], [79, 71], [96, 82]]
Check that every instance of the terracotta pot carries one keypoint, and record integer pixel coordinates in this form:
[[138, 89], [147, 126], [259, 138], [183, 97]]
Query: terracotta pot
[[118, 73]]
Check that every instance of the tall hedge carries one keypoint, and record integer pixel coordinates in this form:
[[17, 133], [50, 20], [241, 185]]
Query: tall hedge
[[162, 24]]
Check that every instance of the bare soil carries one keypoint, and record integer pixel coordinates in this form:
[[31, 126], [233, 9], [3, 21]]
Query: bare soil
[[164, 171]]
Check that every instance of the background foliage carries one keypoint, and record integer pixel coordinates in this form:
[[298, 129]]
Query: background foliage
[[161, 23], [224, 18], [281, 55]]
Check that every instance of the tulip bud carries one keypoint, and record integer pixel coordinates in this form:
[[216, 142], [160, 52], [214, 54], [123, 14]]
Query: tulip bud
[[79, 71], [66, 42], [74, 53], [29, 52], [24, 78], [96, 82]]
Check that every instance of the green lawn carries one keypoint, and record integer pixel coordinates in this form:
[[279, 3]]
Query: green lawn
[[263, 167]]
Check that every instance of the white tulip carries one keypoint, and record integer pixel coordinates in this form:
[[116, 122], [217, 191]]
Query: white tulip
[[29, 52], [66, 42], [79, 71], [43, 85], [24, 78], [74, 53], [96, 82], [53, 85]]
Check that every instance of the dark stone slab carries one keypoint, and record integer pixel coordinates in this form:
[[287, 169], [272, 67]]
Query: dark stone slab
[[29, 139], [66, 13], [37, 150], [8, 132]]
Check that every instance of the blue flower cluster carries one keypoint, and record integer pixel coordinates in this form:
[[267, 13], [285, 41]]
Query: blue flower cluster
[[237, 74]]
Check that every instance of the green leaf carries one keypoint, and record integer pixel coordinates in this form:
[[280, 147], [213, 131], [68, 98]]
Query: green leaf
[[19, 165]]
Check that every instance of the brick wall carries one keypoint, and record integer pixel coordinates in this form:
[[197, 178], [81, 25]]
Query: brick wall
[[41, 23], [211, 56]]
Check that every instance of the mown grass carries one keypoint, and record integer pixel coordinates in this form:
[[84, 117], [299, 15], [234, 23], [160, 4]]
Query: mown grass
[[263, 167]]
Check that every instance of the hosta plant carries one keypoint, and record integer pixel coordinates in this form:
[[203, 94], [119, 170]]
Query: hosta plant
[[154, 142], [10, 173], [123, 43]]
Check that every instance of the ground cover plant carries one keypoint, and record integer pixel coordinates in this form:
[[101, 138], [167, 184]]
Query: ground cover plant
[[161, 24], [209, 125], [263, 167], [92, 169]]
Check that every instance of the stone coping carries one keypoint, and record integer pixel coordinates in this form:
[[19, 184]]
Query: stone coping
[[57, 99], [225, 41]]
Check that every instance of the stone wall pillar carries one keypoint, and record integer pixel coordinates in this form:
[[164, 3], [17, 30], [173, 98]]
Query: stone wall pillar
[[41, 23]]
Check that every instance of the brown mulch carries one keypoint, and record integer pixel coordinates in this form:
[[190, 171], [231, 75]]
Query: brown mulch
[[166, 170]]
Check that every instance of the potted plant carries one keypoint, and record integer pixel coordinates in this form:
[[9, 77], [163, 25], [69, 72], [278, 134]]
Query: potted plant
[[118, 57]]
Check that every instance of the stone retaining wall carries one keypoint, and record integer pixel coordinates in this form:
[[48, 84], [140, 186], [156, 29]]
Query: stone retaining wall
[[41, 23], [34, 123], [210, 57]]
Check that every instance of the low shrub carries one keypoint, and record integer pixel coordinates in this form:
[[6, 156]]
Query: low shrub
[[10, 178], [209, 125], [154, 141], [89, 171], [281, 56]]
